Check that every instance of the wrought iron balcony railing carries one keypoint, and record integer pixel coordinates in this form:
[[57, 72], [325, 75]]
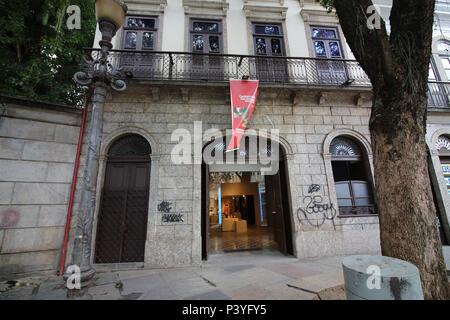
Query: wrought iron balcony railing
[[439, 94], [189, 66], [153, 65]]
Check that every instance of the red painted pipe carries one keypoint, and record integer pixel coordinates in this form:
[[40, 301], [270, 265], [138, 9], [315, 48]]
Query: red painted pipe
[[72, 190]]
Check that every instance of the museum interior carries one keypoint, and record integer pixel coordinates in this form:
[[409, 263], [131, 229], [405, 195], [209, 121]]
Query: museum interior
[[238, 214]]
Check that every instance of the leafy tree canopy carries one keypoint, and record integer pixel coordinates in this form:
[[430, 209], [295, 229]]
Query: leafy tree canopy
[[38, 53], [329, 4]]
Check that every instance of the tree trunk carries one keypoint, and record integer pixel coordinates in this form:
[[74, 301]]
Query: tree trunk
[[397, 65], [407, 215]]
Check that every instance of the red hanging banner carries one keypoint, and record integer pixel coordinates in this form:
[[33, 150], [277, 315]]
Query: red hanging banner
[[243, 98]]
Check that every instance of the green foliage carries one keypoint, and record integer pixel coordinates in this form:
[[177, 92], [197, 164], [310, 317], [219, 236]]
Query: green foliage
[[329, 4], [38, 53]]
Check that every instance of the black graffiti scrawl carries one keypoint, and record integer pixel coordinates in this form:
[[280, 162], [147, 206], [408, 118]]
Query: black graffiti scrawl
[[172, 217], [165, 207], [316, 212]]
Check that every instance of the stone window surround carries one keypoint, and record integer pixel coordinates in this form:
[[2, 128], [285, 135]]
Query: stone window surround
[[205, 10], [106, 143], [146, 8], [437, 179], [327, 156], [267, 15], [320, 18]]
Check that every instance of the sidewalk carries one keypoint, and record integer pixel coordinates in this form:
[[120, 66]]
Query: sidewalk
[[232, 276], [237, 276]]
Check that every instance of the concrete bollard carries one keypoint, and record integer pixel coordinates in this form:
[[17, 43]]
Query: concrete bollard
[[369, 277]]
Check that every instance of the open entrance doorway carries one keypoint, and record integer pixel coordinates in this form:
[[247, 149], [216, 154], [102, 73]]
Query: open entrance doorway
[[244, 209]]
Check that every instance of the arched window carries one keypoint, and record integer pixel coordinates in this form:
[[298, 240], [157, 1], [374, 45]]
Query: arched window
[[350, 172], [130, 146], [443, 147]]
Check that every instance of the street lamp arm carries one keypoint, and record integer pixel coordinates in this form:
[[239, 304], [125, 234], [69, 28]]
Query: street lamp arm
[[100, 69]]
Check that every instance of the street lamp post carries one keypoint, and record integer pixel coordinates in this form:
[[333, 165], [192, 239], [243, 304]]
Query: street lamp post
[[99, 74]]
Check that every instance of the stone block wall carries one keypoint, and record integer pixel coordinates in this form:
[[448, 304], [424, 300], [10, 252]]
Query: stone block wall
[[38, 143], [305, 117]]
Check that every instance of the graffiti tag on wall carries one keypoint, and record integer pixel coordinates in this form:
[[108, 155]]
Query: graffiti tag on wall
[[165, 207], [172, 217], [316, 212]]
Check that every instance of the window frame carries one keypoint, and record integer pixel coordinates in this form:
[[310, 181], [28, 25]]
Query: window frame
[[206, 44], [280, 36], [361, 210], [327, 41], [140, 32]]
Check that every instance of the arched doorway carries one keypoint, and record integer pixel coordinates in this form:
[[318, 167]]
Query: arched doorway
[[122, 221], [250, 195]]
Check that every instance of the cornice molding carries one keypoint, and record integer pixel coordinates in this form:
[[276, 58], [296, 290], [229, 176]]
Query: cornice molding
[[211, 7], [136, 7], [281, 2], [318, 16], [270, 12]]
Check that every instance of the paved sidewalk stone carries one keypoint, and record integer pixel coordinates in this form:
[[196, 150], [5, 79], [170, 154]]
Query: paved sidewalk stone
[[236, 276]]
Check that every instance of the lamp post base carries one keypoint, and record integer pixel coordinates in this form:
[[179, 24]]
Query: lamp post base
[[85, 279]]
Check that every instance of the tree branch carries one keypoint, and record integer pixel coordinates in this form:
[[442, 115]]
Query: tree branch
[[370, 46]]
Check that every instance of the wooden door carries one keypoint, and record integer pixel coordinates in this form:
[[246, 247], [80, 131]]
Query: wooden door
[[122, 223], [275, 210], [205, 211], [287, 225]]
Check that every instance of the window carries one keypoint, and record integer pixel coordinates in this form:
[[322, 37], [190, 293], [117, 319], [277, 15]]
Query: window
[[326, 42], [432, 72], [268, 42], [444, 53], [353, 189], [206, 38], [140, 33], [327, 45]]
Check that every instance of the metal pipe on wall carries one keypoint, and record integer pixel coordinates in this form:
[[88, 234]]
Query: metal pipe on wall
[[72, 189]]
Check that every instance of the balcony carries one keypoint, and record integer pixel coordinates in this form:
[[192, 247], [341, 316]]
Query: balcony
[[182, 66], [215, 68]]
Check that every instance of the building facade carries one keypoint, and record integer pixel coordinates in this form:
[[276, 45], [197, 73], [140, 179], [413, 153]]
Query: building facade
[[314, 104]]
